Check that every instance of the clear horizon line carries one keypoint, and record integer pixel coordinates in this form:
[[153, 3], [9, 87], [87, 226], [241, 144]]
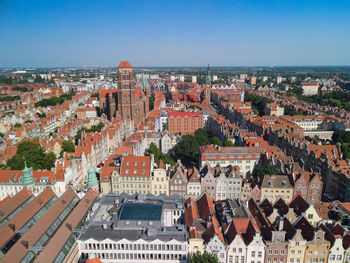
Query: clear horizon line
[[168, 66]]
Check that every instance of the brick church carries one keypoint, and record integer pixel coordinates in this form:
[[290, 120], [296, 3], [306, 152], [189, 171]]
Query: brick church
[[126, 101]]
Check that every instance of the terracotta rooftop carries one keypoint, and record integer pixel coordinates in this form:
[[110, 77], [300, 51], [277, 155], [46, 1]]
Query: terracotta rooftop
[[124, 64]]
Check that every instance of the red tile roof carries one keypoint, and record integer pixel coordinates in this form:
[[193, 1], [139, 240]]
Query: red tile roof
[[124, 64], [135, 166]]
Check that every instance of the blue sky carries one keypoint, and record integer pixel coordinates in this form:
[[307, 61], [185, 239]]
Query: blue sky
[[174, 33]]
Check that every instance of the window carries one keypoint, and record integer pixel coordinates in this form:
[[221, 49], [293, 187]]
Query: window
[[253, 254]]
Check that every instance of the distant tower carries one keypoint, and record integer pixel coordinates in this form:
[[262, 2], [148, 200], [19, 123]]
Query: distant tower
[[207, 88], [126, 90], [28, 179], [92, 181]]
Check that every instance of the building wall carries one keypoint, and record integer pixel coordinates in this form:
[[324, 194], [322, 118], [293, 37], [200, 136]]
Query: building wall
[[130, 184], [124, 250], [193, 189], [256, 250], [215, 246], [184, 124], [234, 187], [159, 182], [273, 194]]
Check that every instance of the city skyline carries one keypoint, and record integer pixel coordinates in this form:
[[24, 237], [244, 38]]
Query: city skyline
[[157, 34]]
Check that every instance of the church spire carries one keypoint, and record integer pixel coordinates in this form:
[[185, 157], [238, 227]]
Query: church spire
[[208, 79], [27, 176], [92, 180]]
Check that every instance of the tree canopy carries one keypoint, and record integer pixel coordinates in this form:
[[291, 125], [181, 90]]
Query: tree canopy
[[343, 137], [203, 258], [216, 141], [228, 143], [10, 98], [260, 172], [153, 149], [187, 150], [158, 155], [151, 102], [53, 101], [67, 146], [34, 155], [258, 103], [201, 136]]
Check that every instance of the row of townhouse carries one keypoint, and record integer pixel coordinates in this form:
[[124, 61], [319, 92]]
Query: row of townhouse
[[262, 232], [246, 158]]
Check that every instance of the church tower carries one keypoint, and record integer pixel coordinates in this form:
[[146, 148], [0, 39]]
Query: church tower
[[207, 89], [126, 90]]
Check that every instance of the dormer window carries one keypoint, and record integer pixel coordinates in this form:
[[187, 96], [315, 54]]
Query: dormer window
[[135, 163], [135, 171], [144, 163], [127, 163]]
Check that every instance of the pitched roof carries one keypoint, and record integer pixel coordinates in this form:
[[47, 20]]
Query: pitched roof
[[135, 166], [124, 64], [13, 203], [299, 205]]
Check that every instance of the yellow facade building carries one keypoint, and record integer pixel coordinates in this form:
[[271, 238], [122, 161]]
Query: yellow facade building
[[160, 180], [133, 176], [317, 249], [275, 187], [296, 248]]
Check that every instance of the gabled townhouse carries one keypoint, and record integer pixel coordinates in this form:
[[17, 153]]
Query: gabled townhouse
[[215, 242], [256, 249], [234, 183], [178, 180], [194, 184], [250, 190], [309, 186], [220, 186], [160, 180], [317, 248], [208, 184], [276, 248], [336, 250], [239, 234], [296, 248]]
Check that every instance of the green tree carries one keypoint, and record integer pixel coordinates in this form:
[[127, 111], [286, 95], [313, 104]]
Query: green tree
[[17, 125], [67, 146], [165, 126], [187, 149], [298, 91], [2, 135], [203, 258], [33, 154], [167, 159], [228, 143], [260, 172], [341, 136], [49, 161], [151, 102], [201, 136], [41, 115], [216, 141], [153, 149]]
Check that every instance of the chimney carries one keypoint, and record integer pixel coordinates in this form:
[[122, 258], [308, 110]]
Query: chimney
[[25, 243]]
